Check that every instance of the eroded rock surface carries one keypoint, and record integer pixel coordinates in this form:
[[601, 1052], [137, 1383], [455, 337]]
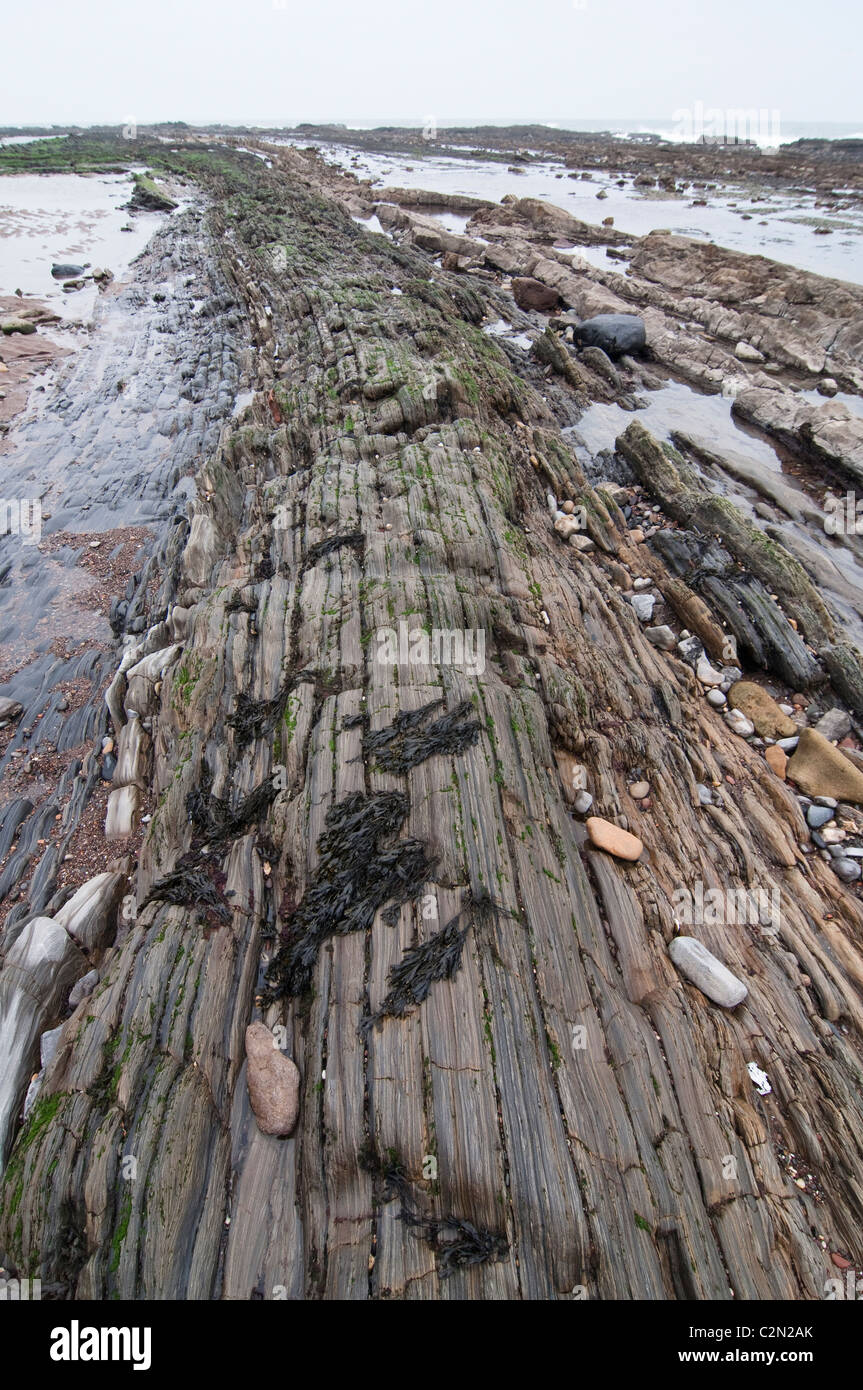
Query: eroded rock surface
[[507, 1088]]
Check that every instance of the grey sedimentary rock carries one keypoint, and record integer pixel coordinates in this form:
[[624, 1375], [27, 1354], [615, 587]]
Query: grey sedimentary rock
[[39, 970], [83, 988], [90, 915], [707, 973], [9, 709]]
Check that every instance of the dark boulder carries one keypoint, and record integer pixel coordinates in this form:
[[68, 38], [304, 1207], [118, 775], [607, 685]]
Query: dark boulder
[[67, 272], [616, 334]]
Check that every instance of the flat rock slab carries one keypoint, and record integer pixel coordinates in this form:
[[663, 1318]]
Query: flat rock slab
[[612, 839], [273, 1081], [707, 973], [819, 769]]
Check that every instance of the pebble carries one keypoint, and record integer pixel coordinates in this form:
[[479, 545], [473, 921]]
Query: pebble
[[583, 803], [777, 760], [611, 838], [788, 744], [567, 507], [273, 1082], [707, 674], [644, 605], [833, 835], [739, 723], [817, 816], [639, 790], [705, 794], [639, 584], [690, 649], [707, 973], [661, 637], [847, 869], [716, 698], [636, 535]]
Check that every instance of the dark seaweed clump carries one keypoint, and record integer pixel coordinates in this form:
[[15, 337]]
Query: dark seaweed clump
[[406, 742], [355, 539], [411, 980], [356, 877], [471, 1245], [195, 883], [213, 817], [253, 718]]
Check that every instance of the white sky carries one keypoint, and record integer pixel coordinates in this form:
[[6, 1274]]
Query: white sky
[[369, 60]]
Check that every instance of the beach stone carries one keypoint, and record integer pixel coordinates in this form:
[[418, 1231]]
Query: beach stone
[[9, 710], [707, 973], [661, 637], [705, 794], [848, 870], [833, 835], [273, 1081], [761, 709], [643, 605], [819, 769], [567, 526], [707, 674], [13, 325], [583, 803], [717, 699], [614, 333], [690, 649], [642, 583], [777, 759], [788, 744], [613, 840], [579, 541], [66, 272], [739, 723], [639, 790], [835, 724], [827, 386], [817, 816]]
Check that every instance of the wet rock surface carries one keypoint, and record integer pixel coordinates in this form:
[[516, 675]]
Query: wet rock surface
[[375, 857]]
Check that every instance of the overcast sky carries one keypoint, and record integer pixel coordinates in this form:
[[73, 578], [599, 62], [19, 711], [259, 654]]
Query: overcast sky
[[312, 60]]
